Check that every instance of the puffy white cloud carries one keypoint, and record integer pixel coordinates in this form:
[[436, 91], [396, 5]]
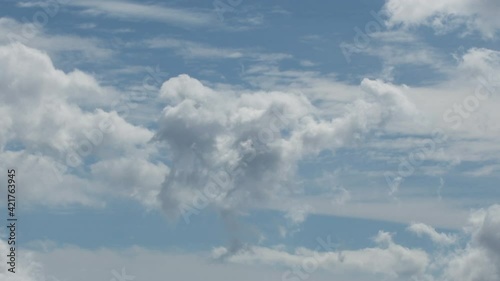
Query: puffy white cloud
[[55, 125], [422, 229], [446, 15], [481, 62], [233, 149], [480, 259]]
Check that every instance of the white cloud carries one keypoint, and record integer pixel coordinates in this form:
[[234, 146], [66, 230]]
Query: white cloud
[[35, 36], [143, 177], [77, 264], [422, 229], [462, 107], [395, 48], [447, 214], [56, 121], [133, 10], [194, 50], [298, 214], [253, 141], [477, 260], [388, 259], [446, 15], [216, 128], [480, 259], [27, 270], [484, 171]]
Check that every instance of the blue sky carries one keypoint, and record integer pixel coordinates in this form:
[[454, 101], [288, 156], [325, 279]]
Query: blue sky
[[229, 139]]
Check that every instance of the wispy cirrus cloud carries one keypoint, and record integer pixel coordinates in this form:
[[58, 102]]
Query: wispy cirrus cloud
[[192, 50], [35, 36], [130, 10]]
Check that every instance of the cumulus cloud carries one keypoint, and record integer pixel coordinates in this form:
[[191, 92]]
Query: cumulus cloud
[[422, 229], [477, 260], [56, 124], [480, 259], [446, 15], [231, 150]]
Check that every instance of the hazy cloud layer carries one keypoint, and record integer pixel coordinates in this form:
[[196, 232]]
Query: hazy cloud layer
[[475, 258]]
